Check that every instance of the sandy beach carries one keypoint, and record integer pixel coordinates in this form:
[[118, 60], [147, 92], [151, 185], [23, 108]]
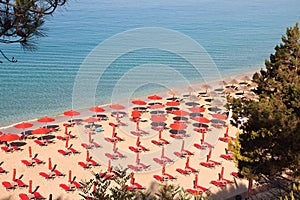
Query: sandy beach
[[47, 187]]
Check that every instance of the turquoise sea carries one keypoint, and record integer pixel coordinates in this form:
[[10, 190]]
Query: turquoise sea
[[238, 35]]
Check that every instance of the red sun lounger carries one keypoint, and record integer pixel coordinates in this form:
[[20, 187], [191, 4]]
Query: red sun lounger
[[8, 185], [37, 195], [218, 183], [86, 146], [134, 168], [84, 165], [2, 170], [45, 175], [66, 188], [74, 151], [27, 163], [235, 174], [226, 156], [93, 162], [38, 161], [111, 156], [7, 149], [159, 161], [179, 154], [207, 164], [20, 183], [63, 152], [158, 143], [182, 171], [159, 178], [214, 162], [58, 173], [76, 184], [193, 191], [24, 196], [40, 143]]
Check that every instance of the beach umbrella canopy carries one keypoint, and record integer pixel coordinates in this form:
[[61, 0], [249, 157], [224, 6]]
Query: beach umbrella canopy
[[23, 125], [201, 119], [90, 120], [179, 118], [71, 113], [40, 131], [139, 102], [192, 104], [158, 118], [154, 97], [196, 114], [136, 114], [178, 126], [9, 137], [180, 113], [97, 109], [117, 107], [172, 103], [156, 124], [200, 125], [46, 119], [156, 106], [219, 116]]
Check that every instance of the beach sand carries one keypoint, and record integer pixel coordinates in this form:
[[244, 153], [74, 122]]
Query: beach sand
[[145, 178]]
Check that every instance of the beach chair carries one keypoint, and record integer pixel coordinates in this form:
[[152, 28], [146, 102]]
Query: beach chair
[[41, 143], [179, 154], [95, 144], [8, 185], [74, 151], [182, 171], [158, 143], [28, 163], [143, 166], [6, 149], [86, 146], [169, 176], [61, 137], [76, 184], [214, 162], [159, 161], [199, 146], [45, 175], [20, 183], [93, 162], [3, 171], [193, 191], [218, 183], [111, 156], [226, 156], [66, 187], [84, 165], [177, 136], [63, 152], [37, 195], [134, 168], [38, 161], [57, 173], [159, 178], [207, 164], [24, 196]]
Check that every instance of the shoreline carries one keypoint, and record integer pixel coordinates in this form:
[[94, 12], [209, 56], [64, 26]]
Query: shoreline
[[214, 82]]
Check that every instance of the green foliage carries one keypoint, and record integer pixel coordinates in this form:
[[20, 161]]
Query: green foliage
[[21, 21], [99, 188], [268, 144]]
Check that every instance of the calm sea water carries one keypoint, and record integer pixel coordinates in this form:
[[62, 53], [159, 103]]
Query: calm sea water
[[238, 35]]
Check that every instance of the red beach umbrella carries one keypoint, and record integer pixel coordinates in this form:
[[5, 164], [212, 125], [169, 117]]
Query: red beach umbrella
[[154, 97], [180, 113], [30, 187], [71, 113], [158, 118], [201, 119], [23, 125], [219, 116], [139, 102], [195, 109], [136, 114], [117, 107], [172, 103], [14, 174], [178, 126], [156, 106], [40, 131], [49, 164], [46, 119], [90, 120], [97, 109], [9, 137], [30, 152]]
